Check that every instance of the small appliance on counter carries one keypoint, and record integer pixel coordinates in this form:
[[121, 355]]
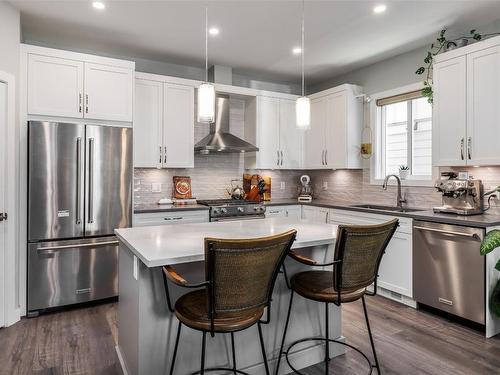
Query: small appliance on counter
[[305, 190], [236, 191], [461, 195]]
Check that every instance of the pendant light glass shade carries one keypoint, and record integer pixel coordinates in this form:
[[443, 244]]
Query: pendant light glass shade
[[206, 91], [303, 112], [206, 102]]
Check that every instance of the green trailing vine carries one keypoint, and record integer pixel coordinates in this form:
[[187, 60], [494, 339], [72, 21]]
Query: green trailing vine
[[490, 242], [442, 44]]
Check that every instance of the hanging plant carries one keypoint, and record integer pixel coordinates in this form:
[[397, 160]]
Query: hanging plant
[[490, 242], [441, 45]]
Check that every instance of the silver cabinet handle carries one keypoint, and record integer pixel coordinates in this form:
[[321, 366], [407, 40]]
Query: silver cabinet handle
[[160, 156], [323, 157], [277, 157], [80, 102], [469, 147], [50, 249], [173, 218], [326, 157], [86, 103], [91, 181], [78, 179], [165, 155], [454, 233], [462, 148], [281, 158]]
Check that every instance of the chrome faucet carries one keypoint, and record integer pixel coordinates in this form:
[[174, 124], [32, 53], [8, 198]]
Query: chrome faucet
[[400, 198]]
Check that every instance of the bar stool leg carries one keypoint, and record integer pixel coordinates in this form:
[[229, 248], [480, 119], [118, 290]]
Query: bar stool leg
[[204, 340], [263, 348], [234, 353], [370, 334], [175, 348], [284, 332], [327, 341]]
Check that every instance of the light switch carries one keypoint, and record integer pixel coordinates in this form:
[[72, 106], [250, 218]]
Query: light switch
[[325, 185], [282, 185], [156, 187]]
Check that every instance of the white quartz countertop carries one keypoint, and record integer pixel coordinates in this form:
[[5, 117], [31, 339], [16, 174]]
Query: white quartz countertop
[[182, 243]]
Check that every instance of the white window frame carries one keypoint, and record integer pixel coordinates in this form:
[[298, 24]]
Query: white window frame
[[377, 140]]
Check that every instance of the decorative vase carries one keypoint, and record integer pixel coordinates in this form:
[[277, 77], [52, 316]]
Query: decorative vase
[[403, 174]]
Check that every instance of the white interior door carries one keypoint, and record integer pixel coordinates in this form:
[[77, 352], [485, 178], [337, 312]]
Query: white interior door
[[3, 175]]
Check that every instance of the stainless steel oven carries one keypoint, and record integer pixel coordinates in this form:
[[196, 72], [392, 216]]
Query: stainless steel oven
[[448, 270]]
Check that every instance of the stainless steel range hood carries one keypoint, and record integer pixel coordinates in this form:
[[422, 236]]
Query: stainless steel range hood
[[220, 139]]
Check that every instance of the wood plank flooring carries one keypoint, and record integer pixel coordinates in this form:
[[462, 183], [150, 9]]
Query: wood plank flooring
[[408, 341]]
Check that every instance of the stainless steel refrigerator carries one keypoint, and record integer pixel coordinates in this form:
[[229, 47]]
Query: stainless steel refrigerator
[[79, 191]]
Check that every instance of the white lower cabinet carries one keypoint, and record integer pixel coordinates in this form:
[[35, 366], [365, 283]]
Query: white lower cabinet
[[315, 214], [166, 218], [292, 211], [396, 268]]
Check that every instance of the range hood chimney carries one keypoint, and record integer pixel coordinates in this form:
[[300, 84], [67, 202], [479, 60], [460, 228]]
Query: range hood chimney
[[220, 139]]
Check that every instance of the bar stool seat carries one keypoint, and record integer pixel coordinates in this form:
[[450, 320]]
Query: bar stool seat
[[192, 310], [318, 286]]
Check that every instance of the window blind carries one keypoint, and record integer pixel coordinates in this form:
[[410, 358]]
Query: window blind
[[399, 98]]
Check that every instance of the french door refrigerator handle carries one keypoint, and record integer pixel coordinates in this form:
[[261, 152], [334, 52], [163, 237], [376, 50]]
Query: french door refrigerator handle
[[53, 249], [91, 181], [78, 179]]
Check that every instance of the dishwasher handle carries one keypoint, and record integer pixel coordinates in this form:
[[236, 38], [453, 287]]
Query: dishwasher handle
[[473, 236]]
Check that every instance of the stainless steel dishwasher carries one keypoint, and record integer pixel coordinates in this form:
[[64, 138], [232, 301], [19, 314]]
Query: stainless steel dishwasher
[[448, 271]]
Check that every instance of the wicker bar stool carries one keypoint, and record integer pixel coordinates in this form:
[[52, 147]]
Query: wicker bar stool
[[357, 257], [240, 276]]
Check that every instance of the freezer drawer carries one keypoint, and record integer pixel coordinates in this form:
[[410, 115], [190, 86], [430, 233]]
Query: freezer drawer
[[448, 271], [66, 272]]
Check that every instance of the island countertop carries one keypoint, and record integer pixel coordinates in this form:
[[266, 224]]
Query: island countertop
[[173, 244]]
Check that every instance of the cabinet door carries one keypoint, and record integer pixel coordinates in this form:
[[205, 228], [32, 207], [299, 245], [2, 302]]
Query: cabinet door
[[148, 124], [449, 113], [315, 214], [275, 212], [290, 136], [268, 132], [108, 92], [55, 86], [315, 136], [336, 132], [395, 271], [483, 107], [178, 126], [293, 212]]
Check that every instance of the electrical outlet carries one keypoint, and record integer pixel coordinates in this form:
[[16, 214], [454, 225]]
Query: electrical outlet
[[325, 185], [282, 185], [156, 187]]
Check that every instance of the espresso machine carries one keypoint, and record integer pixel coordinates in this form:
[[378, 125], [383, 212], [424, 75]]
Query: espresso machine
[[305, 190], [460, 196]]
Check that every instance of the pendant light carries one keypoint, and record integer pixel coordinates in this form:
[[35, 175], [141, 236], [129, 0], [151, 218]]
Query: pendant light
[[303, 104], [206, 91]]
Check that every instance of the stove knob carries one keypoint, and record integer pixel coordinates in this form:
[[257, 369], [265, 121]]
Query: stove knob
[[215, 211], [256, 208], [223, 210], [240, 209]]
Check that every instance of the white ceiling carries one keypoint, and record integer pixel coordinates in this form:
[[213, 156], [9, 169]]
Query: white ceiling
[[256, 37]]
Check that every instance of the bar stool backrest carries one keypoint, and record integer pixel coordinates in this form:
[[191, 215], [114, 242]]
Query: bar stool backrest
[[242, 272], [359, 250]]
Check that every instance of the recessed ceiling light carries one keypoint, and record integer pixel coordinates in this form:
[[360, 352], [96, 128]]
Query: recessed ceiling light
[[213, 31], [379, 8], [98, 5], [297, 50]]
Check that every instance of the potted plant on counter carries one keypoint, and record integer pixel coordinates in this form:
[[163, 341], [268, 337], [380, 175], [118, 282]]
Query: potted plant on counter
[[404, 172]]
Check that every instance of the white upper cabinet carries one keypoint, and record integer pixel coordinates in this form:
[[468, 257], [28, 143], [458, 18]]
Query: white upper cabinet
[[148, 124], [75, 85], [163, 123], [333, 141], [449, 112], [483, 107], [55, 86], [178, 126], [108, 92], [466, 111], [276, 135]]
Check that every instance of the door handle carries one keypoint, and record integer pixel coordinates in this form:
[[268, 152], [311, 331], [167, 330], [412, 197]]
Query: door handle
[[3, 216], [462, 148], [78, 179], [91, 181], [469, 147], [451, 232], [53, 249], [86, 103]]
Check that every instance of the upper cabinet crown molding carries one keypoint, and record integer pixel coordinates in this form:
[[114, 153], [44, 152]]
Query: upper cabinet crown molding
[[74, 85]]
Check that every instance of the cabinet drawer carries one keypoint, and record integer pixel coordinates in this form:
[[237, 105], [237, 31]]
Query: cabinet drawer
[[166, 218]]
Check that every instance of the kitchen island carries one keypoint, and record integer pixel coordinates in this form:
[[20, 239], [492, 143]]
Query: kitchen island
[[146, 328]]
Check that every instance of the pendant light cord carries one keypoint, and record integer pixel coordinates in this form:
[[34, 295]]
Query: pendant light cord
[[206, 44], [303, 51]]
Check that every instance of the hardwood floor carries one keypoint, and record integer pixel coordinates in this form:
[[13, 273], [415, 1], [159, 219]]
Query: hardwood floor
[[408, 341]]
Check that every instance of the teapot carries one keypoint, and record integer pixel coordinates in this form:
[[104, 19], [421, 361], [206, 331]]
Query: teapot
[[236, 191]]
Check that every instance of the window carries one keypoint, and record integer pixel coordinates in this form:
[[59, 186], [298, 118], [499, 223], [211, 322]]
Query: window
[[403, 136]]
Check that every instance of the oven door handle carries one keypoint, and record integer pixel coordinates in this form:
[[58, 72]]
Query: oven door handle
[[450, 232]]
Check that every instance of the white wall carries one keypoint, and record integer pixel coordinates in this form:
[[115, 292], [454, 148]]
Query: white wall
[[10, 37]]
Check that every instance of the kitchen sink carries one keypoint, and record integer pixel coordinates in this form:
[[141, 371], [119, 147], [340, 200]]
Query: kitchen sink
[[387, 208]]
